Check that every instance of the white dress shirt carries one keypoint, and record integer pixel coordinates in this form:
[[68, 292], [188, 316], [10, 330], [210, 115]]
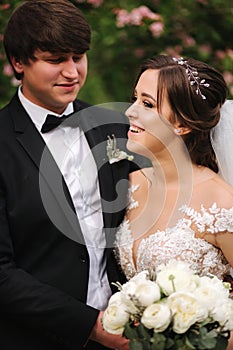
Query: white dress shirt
[[74, 158]]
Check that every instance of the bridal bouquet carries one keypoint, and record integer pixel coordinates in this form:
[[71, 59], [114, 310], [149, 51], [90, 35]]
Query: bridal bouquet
[[174, 309]]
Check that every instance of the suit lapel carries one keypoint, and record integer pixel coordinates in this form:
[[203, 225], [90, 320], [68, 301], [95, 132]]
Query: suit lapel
[[88, 121], [49, 173]]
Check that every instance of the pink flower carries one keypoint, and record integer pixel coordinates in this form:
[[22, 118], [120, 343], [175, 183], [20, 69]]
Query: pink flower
[[136, 17], [7, 70], [147, 13], [220, 54], [95, 3], [205, 48], [229, 53], [228, 76], [5, 6], [189, 41], [156, 29], [123, 17], [174, 51]]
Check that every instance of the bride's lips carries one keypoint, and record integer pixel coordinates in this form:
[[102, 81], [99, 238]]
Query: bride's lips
[[135, 129]]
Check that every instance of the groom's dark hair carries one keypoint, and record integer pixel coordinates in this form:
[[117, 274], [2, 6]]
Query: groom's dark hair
[[56, 26]]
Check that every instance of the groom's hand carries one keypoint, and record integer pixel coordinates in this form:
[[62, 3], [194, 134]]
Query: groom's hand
[[101, 336]]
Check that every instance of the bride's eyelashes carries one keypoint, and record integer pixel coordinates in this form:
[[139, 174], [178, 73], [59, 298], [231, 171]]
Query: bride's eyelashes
[[133, 99], [146, 103]]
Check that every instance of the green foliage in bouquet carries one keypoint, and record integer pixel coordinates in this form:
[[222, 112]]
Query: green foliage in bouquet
[[203, 337]]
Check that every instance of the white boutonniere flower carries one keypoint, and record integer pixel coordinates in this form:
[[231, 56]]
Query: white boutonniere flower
[[115, 154]]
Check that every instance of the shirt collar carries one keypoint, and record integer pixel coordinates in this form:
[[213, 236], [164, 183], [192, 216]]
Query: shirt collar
[[38, 114]]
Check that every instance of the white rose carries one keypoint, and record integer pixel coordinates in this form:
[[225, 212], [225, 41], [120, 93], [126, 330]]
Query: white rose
[[133, 295], [229, 312], [128, 288], [211, 292], [186, 310], [127, 292], [115, 317], [216, 283], [115, 298], [146, 293], [176, 276], [157, 316], [224, 314], [141, 276]]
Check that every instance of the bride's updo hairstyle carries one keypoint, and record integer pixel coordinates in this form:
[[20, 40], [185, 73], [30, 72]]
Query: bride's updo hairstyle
[[195, 92]]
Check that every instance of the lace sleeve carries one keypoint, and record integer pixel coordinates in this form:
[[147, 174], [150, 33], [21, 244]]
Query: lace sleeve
[[132, 203], [211, 220]]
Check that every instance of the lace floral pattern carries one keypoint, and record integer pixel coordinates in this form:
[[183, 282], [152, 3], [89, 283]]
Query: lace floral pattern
[[178, 242], [212, 220], [131, 201]]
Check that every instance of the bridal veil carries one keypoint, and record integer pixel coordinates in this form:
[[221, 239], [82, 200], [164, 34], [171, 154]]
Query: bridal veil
[[222, 142]]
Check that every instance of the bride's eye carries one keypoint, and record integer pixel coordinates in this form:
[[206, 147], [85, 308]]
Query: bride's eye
[[148, 104], [133, 99]]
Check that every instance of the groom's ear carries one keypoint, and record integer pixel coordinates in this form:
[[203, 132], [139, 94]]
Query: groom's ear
[[17, 64]]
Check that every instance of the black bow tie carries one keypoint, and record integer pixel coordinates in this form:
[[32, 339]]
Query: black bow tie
[[51, 122]]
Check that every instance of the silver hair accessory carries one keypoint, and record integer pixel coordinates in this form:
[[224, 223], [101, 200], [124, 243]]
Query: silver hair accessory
[[193, 77]]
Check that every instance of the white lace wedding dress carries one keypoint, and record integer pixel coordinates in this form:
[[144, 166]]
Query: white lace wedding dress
[[178, 242]]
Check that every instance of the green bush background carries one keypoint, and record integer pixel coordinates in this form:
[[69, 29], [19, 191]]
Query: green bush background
[[202, 29]]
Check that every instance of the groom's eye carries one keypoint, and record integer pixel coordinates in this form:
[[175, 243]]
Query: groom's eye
[[55, 59]]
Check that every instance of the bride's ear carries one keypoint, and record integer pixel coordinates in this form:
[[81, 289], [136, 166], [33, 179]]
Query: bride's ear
[[17, 64], [181, 130]]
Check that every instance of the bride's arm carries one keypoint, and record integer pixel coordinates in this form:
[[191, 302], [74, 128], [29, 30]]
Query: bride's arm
[[222, 195], [224, 241]]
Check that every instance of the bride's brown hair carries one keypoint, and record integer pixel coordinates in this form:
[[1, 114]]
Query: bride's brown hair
[[197, 110]]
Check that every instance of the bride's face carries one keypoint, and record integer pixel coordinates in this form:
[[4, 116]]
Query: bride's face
[[150, 132]]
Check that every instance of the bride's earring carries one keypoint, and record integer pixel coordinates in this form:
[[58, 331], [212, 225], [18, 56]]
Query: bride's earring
[[178, 131]]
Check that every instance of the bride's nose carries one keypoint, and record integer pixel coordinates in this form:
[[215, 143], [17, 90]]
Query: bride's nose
[[131, 112]]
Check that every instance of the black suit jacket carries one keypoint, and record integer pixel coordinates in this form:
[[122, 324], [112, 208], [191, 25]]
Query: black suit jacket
[[44, 265]]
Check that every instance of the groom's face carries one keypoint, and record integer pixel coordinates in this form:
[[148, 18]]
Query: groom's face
[[53, 80]]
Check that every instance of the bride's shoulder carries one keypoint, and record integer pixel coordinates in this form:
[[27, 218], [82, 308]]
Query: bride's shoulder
[[222, 186], [221, 192], [140, 177]]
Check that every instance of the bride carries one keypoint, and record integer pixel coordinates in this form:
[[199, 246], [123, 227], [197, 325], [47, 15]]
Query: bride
[[180, 208]]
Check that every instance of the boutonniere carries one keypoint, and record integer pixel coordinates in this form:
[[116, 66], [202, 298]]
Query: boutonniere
[[115, 154]]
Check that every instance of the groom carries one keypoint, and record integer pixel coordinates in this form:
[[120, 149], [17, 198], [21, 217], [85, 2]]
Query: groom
[[56, 258]]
